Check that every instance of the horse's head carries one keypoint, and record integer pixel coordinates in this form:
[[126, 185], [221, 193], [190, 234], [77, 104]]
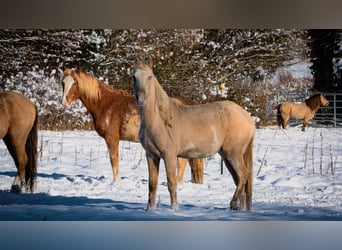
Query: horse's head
[[70, 88], [323, 100], [142, 81]]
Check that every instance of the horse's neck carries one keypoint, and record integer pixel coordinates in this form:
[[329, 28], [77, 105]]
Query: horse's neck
[[94, 106], [149, 112], [157, 111], [314, 109]]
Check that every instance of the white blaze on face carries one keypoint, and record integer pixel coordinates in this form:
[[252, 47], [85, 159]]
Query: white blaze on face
[[68, 82]]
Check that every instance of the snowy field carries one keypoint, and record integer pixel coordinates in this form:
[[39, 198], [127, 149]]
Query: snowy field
[[297, 176]]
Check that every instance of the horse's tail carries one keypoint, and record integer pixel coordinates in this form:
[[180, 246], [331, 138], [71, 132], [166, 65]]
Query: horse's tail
[[31, 151], [279, 117], [248, 158]]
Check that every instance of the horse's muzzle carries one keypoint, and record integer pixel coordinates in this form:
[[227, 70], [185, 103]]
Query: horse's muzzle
[[66, 104], [140, 100]]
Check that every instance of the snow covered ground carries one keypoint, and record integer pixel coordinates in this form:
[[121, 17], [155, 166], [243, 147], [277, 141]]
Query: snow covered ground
[[297, 177]]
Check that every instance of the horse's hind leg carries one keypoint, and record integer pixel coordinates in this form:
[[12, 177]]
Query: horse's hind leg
[[181, 162], [196, 166], [196, 170], [239, 173], [284, 121], [18, 153]]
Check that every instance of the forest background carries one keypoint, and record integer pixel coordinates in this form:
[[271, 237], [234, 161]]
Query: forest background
[[192, 63]]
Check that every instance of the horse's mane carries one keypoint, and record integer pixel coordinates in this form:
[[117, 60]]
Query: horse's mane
[[163, 102], [87, 84], [90, 86], [313, 102]]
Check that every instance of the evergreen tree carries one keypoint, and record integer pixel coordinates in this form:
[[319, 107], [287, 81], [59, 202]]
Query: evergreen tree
[[324, 55]]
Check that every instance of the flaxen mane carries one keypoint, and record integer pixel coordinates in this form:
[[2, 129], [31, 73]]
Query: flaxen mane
[[90, 86], [313, 102], [87, 85]]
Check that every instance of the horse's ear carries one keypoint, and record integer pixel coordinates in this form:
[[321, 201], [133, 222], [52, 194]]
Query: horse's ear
[[150, 62], [65, 70], [79, 70], [136, 62]]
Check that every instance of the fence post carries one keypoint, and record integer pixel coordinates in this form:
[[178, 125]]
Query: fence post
[[335, 110]]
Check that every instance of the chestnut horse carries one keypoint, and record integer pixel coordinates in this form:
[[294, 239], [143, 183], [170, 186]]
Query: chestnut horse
[[305, 110], [18, 129], [115, 117], [170, 129]]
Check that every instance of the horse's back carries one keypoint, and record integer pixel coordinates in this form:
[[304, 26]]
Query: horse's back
[[16, 99], [238, 122], [19, 110], [223, 120], [232, 114], [293, 110], [221, 112]]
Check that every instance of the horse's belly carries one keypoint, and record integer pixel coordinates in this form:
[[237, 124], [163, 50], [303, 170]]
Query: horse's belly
[[193, 154], [297, 111], [199, 151], [130, 129], [205, 142]]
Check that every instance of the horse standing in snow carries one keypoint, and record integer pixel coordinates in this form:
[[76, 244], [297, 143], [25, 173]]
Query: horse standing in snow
[[18, 129], [305, 110], [170, 129]]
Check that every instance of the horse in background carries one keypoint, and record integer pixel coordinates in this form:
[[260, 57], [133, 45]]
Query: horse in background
[[115, 117], [18, 129], [305, 110], [171, 129]]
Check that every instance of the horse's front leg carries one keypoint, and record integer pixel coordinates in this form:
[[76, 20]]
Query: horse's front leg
[[285, 120], [171, 167], [153, 171], [240, 174]]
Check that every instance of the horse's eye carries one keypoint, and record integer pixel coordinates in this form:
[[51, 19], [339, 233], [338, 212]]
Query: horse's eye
[[149, 78]]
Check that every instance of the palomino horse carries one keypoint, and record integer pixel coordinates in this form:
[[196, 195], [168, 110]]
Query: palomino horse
[[115, 117], [305, 110], [170, 129], [18, 129]]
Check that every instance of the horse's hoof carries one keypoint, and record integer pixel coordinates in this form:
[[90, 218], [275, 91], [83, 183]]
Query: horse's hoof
[[234, 206], [175, 207], [16, 189], [150, 208]]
